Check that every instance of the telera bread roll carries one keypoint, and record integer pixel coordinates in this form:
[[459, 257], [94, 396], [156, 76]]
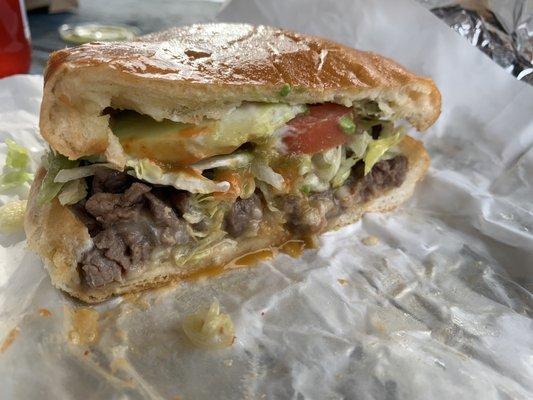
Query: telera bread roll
[[186, 149]]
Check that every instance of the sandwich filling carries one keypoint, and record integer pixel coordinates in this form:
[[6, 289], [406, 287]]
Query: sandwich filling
[[187, 187]]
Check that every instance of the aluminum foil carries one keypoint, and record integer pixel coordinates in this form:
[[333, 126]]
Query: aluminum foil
[[501, 29]]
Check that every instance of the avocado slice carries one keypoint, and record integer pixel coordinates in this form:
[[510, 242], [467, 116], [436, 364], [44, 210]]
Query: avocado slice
[[183, 144]]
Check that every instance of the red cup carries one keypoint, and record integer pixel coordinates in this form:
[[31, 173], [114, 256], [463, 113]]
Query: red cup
[[15, 52]]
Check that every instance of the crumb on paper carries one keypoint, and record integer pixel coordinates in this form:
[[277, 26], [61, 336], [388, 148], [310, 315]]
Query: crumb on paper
[[83, 326], [86, 352], [121, 334], [370, 240], [228, 363], [137, 299], [9, 339], [12, 216], [342, 281], [44, 312], [119, 363]]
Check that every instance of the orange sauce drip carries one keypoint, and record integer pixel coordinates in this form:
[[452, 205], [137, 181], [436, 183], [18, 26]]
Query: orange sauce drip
[[193, 131], [137, 299], [10, 338], [205, 273], [169, 167], [254, 258], [293, 248], [43, 312], [84, 326]]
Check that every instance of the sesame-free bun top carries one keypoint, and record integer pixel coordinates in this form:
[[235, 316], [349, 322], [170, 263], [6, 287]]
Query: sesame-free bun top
[[203, 71]]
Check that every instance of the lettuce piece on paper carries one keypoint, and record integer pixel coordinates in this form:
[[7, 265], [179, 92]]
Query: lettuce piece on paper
[[15, 171]]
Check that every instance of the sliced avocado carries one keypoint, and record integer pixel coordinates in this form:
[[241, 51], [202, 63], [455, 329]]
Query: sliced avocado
[[129, 124], [179, 143]]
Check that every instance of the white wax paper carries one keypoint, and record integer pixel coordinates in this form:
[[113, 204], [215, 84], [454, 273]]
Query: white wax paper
[[438, 309]]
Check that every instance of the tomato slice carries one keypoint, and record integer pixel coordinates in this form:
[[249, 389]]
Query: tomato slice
[[317, 130]]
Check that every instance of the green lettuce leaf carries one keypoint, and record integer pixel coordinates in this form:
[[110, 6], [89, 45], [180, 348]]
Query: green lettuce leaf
[[184, 179], [73, 192], [53, 163], [71, 174], [233, 161], [17, 156], [377, 148], [15, 172], [12, 179]]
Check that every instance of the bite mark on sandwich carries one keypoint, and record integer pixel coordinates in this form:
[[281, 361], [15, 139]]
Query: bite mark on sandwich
[[172, 195]]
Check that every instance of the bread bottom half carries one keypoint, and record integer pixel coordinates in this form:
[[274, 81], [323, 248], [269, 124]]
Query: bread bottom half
[[60, 238]]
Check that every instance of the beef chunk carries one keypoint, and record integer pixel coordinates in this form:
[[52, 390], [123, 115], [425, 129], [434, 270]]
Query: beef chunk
[[244, 216], [360, 188], [384, 175], [110, 181], [100, 270], [108, 208], [306, 216], [88, 220], [110, 242], [174, 229], [132, 224], [139, 239]]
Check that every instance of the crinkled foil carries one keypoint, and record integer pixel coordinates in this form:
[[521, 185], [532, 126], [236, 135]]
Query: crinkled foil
[[502, 29]]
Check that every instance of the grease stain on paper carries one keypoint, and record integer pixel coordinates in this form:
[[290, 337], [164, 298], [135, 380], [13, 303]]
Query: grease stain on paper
[[83, 325], [10, 338]]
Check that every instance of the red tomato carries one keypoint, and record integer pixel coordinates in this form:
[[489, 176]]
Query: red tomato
[[317, 130]]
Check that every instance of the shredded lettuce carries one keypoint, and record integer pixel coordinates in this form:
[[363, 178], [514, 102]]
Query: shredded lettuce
[[263, 172], [189, 179], [312, 183], [17, 156], [359, 144], [12, 179], [268, 196], [327, 163], [73, 192], [209, 328], [344, 171], [248, 187], [323, 168], [377, 148], [15, 169], [200, 207], [186, 254], [233, 161], [70, 174], [54, 163]]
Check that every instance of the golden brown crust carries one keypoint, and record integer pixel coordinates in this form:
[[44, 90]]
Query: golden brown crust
[[203, 70], [57, 235], [60, 238]]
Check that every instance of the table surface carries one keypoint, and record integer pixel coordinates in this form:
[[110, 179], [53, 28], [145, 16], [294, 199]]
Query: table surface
[[148, 16]]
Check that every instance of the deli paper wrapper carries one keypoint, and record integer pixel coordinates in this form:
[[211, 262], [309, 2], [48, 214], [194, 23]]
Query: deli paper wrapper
[[438, 309]]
